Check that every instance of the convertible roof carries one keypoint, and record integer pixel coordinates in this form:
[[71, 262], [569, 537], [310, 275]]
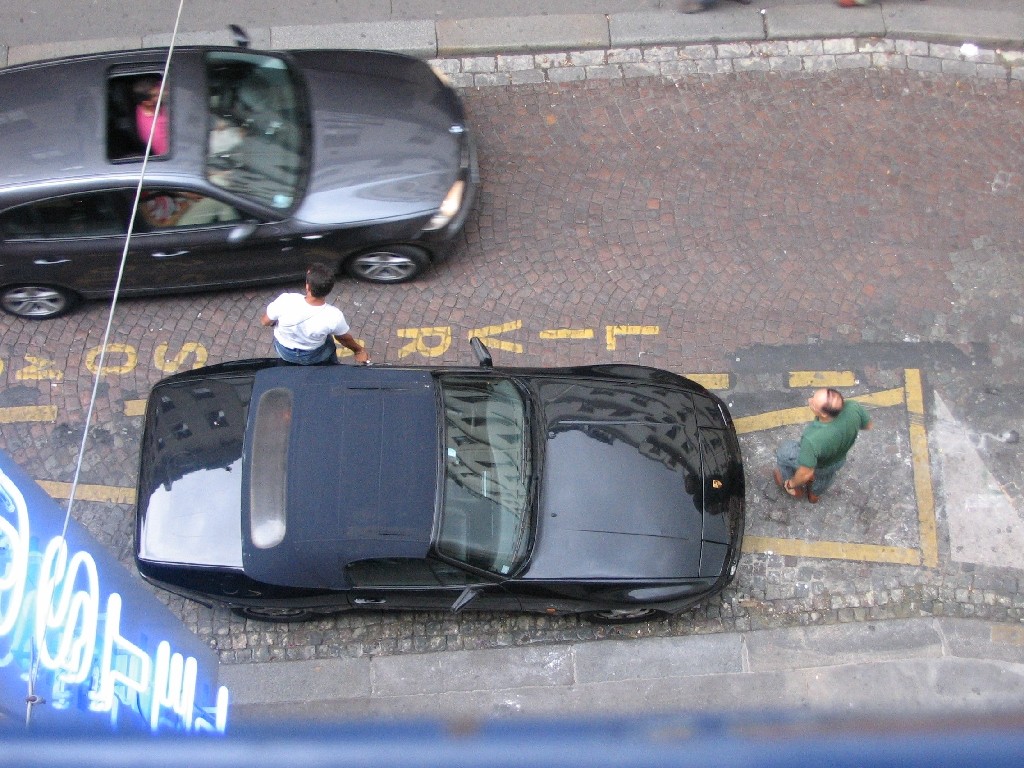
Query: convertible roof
[[361, 471]]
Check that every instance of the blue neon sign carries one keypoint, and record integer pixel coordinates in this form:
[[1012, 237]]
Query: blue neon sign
[[79, 639]]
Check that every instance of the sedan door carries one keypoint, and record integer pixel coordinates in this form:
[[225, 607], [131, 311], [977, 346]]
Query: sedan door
[[187, 239], [399, 583]]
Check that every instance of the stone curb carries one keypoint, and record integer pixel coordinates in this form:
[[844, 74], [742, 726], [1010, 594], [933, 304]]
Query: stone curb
[[943, 662], [675, 61]]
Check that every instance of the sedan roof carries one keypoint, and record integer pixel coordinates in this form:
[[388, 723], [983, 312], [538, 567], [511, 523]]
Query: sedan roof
[[360, 464]]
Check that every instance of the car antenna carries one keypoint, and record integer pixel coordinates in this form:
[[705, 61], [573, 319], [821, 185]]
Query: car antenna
[[239, 35]]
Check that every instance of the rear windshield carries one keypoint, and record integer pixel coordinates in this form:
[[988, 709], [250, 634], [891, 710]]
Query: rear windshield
[[257, 139]]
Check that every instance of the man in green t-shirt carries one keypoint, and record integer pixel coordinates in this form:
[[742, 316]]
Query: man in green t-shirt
[[812, 463]]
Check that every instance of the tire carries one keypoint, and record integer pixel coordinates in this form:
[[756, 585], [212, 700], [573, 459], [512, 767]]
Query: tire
[[388, 264], [37, 302], [627, 616], [274, 614]]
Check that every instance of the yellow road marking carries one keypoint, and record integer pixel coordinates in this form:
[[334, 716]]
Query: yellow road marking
[[440, 335], [822, 379], [922, 468], [16, 413], [568, 333], [832, 550], [614, 331], [104, 493], [803, 414], [488, 332], [710, 380], [134, 407]]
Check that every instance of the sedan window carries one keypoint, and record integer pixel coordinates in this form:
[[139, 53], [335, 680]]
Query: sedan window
[[405, 572], [485, 514], [95, 214], [172, 208], [256, 138]]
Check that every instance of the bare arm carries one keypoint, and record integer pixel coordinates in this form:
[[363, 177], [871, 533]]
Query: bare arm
[[348, 341]]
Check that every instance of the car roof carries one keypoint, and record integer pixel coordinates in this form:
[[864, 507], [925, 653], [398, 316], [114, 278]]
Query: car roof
[[362, 468], [54, 124]]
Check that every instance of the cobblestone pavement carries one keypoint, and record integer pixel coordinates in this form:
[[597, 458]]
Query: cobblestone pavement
[[750, 224]]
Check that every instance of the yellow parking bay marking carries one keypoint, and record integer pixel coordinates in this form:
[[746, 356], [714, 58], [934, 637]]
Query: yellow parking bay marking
[[134, 407], [912, 395], [822, 379], [833, 550], [16, 413], [922, 468], [103, 493], [803, 415], [568, 333], [612, 332]]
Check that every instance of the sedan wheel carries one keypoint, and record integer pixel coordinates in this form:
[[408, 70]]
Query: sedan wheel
[[624, 616], [275, 614], [392, 264], [36, 302]]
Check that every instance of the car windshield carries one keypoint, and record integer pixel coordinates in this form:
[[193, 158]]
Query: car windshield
[[485, 513], [256, 136]]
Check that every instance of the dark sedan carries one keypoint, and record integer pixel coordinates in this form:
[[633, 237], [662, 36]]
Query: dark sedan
[[270, 160], [286, 492]]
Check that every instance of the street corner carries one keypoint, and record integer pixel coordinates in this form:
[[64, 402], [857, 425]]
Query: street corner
[[881, 507]]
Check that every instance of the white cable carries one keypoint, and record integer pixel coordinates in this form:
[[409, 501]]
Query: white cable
[[120, 271]]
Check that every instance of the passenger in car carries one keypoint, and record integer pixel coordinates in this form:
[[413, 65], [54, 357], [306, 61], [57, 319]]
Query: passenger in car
[[147, 119]]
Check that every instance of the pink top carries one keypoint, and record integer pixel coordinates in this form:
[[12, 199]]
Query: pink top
[[144, 124]]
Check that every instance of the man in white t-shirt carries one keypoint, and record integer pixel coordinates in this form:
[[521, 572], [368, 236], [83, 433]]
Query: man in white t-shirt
[[305, 326]]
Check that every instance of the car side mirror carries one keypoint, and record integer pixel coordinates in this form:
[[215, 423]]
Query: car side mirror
[[241, 232], [481, 352], [467, 596]]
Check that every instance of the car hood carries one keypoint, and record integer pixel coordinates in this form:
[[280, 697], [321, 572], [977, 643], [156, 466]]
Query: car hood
[[387, 137], [624, 483]]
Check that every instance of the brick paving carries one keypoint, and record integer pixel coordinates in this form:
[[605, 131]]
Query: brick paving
[[853, 214]]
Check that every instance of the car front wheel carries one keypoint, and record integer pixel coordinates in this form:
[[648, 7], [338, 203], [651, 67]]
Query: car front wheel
[[389, 264], [623, 616], [36, 302], [275, 614]]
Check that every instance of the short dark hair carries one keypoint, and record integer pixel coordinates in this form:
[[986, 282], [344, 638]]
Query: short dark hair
[[320, 279], [143, 85], [833, 403]]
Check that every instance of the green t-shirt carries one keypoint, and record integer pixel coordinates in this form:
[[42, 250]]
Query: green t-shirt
[[823, 443]]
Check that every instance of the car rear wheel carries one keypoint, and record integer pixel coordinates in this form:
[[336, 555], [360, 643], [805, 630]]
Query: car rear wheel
[[275, 614], [389, 264], [623, 616], [36, 302]]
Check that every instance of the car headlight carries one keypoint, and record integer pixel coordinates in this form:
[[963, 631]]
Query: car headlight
[[449, 207]]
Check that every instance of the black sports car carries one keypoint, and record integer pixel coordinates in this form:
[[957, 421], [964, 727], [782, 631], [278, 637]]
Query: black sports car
[[266, 161], [285, 492]]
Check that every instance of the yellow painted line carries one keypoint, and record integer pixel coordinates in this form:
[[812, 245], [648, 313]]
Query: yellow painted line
[[14, 414], [803, 414], [488, 332], [134, 407], [822, 379], [104, 493], [927, 526], [568, 333], [832, 550], [612, 332], [710, 380], [772, 419], [883, 399]]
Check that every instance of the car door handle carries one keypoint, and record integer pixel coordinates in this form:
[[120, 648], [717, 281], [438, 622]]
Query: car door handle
[[368, 601], [162, 255], [50, 262]]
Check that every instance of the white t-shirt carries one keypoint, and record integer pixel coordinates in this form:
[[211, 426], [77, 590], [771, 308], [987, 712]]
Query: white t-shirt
[[303, 326]]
